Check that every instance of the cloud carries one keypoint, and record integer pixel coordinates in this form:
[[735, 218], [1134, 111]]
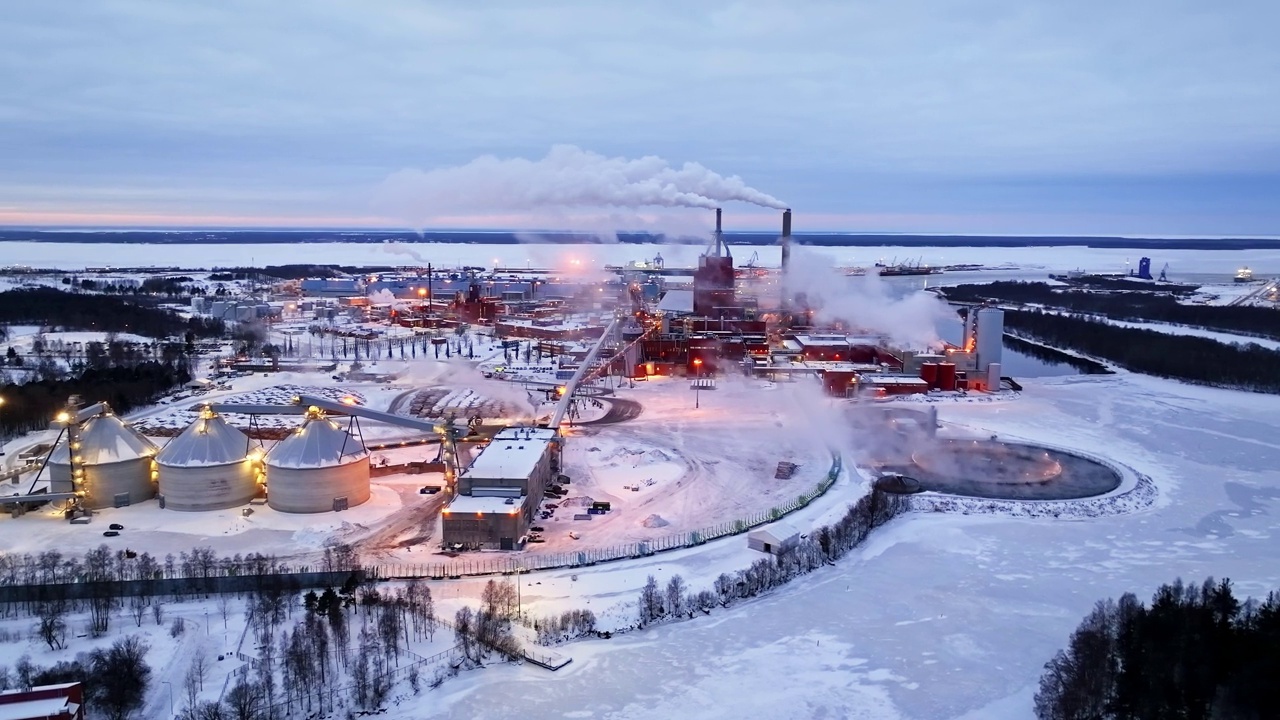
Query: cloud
[[312, 105]]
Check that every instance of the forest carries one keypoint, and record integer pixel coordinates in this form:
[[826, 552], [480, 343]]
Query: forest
[[1131, 306], [1195, 653], [57, 310], [31, 405], [1181, 357]]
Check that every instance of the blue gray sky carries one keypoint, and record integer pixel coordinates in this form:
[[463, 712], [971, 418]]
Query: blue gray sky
[[983, 116]]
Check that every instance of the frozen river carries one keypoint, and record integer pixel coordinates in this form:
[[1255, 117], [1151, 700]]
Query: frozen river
[[948, 616]]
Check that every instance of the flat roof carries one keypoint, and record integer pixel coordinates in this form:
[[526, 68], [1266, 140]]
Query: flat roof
[[677, 301], [485, 505], [42, 708], [513, 454], [877, 379]]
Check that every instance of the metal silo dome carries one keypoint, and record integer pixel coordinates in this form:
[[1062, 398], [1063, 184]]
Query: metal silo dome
[[116, 459], [210, 466], [317, 468]]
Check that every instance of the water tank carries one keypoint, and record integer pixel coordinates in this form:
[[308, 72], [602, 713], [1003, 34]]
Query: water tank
[[946, 376], [210, 466], [929, 373], [990, 331], [218, 308], [993, 377], [117, 463], [315, 465], [246, 313], [197, 305]]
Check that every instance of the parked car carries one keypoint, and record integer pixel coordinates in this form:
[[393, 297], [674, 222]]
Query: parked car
[[116, 526], [111, 533]]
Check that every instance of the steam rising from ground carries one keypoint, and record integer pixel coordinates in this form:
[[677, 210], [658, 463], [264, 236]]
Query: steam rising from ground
[[866, 302], [568, 177], [459, 373]]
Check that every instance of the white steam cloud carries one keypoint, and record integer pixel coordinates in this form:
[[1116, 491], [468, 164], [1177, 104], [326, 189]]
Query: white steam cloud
[[396, 248], [866, 302], [568, 177]]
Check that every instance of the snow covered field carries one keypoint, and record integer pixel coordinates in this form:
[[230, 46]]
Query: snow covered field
[[938, 616]]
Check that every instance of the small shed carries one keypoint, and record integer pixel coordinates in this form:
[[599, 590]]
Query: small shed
[[775, 538], [200, 384]]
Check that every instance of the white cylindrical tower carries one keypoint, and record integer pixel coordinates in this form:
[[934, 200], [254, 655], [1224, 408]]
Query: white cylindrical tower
[[990, 331], [210, 466], [315, 466], [115, 463]]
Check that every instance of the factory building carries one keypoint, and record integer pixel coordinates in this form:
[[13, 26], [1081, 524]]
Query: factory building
[[500, 491], [210, 466], [317, 468], [104, 460]]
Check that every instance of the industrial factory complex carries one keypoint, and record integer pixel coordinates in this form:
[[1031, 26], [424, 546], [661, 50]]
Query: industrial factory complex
[[493, 479]]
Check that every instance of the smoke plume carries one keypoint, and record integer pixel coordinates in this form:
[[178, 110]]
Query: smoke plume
[[867, 302], [396, 248], [568, 177]]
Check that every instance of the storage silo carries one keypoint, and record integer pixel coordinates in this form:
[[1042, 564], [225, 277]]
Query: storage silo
[[114, 462], [210, 466], [990, 330], [317, 468]]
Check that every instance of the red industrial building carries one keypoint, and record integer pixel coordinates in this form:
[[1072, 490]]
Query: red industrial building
[[47, 702]]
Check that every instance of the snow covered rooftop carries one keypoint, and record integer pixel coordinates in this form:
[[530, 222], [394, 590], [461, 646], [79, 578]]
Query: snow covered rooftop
[[777, 533], [106, 439], [677, 301], [486, 505], [513, 454], [210, 440], [320, 442]]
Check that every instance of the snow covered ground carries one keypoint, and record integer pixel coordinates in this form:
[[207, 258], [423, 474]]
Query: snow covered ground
[[937, 616]]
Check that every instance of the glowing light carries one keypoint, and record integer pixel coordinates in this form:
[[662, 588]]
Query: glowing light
[[64, 417]]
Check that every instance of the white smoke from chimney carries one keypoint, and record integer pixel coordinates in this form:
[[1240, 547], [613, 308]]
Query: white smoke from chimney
[[568, 177], [909, 320], [396, 248]]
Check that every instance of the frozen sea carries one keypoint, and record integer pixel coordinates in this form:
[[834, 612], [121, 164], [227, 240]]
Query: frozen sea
[[942, 617]]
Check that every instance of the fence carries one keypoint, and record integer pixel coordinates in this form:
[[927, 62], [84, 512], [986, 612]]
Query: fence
[[227, 578], [593, 556]]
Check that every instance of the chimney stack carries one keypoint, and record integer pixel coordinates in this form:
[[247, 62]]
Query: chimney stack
[[786, 239], [718, 231]]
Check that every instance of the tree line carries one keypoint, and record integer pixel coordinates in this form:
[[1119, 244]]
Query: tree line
[[58, 310], [1195, 653], [1181, 357], [1131, 306], [826, 545], [30, 406]]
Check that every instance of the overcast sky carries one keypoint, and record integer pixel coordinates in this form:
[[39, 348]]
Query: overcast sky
[[1005, 116]]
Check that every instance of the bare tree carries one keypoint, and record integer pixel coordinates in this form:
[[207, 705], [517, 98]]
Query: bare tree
[[157, 612], [200, 667], [244, 701], [224, 608], [138, 609], [675, 595], [53, 626]]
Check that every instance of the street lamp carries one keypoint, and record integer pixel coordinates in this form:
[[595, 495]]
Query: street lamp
[[697, 384]]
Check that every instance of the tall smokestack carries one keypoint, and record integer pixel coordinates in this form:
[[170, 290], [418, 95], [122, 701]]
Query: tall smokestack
[[719, 240], [786, 239]]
